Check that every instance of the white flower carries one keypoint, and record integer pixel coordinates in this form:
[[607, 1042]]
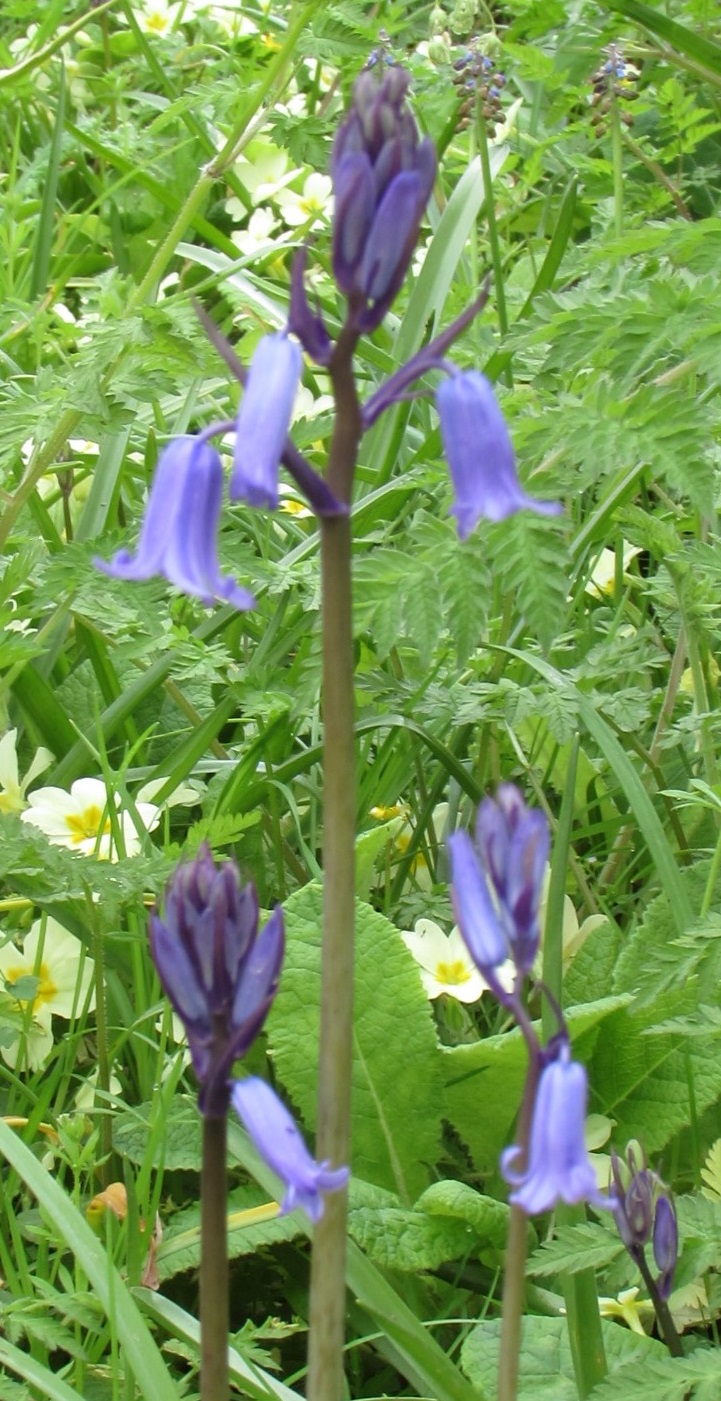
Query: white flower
[[12, 787], [312, 207], [62, 977], [257, 237], [81, 820], [157, 16], [444, 961]]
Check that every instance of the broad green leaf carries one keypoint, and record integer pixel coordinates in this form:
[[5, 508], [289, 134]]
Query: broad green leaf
[[546, 1367], [181, 1148], [488, 1218], [253, 1222], [397, 1086], [402, 1239]]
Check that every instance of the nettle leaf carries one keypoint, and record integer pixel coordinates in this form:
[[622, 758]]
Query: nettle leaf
[[402, 1239], [397, 1084], [180, 1249], [663, 1378], [642, 1081], [546, 1365], [484, 1082], [529, 561], [573, 1248]]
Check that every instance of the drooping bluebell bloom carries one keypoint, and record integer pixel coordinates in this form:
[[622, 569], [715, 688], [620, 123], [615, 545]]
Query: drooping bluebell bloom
[[280, 1142], [219, 973], [558, 1168], [496, 884], [264, 419], [383, 175], [178, 539], [480, 454]]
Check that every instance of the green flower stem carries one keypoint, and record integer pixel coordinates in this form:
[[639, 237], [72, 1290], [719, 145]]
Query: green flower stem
[[327, 1280], [513, 1291], [101, 1032], [214, 1307], [514, 1276], [585, 1335], [666, 1324], [493, 239], [617, 156]]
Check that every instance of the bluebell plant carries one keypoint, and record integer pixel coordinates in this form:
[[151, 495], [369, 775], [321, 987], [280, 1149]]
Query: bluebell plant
[[496, 885], [221, 973], [383, 176]]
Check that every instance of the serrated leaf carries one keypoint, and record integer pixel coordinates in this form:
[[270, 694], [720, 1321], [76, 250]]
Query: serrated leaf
[[401, 1239], [180, 1249], [573, 1248], [663, 1378], [181, 1147], [488, 1217], [397, 1086], [711, 1170]]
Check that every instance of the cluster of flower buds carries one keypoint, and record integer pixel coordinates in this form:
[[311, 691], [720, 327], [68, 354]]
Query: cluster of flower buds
[[496, 886], [220, 974], [480, 84], [614, 82], [645, 1214], [382, 177]]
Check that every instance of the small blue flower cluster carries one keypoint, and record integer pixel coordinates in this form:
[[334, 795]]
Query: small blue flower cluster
[[383, 175], [496, 888]]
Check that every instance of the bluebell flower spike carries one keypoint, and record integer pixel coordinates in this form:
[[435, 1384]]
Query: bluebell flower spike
[[178, 539], [383, 174], [558, 1168], [218, 971], [480, 455], [308, 326], [280, 1142]]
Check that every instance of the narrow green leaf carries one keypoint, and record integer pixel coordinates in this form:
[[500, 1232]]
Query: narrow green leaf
[[46, 222], [143, 1356]]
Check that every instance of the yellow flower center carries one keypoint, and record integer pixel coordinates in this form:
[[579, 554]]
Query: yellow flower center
[[47, 989], [83, 825], [453, 973]]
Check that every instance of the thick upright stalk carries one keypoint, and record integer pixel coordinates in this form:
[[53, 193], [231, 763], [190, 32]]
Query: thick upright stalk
[[214, 1311], [327, 1285]]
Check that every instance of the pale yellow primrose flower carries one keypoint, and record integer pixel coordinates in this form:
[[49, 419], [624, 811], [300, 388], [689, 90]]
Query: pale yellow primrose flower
[[446, 965], [313, 206], [57, 959], [80, 819], [574, 934], [629, 1307], [12, 787]]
